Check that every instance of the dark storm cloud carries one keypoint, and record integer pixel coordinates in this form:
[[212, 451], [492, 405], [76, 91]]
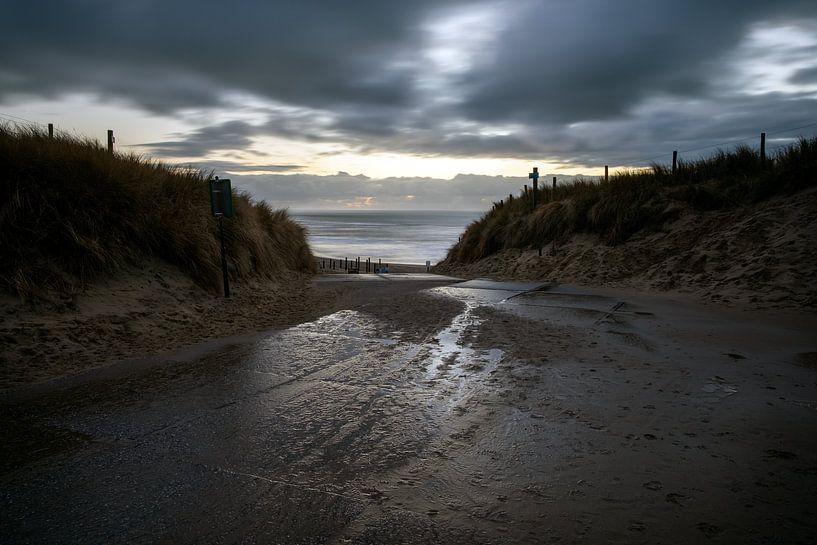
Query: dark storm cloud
[[587, 81], [232, 135], [806, 76], [221, 168], [164, 55], [694, 129], [579, 60]]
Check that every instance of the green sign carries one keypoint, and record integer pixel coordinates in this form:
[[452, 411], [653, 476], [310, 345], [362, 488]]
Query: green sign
[[221, 198]]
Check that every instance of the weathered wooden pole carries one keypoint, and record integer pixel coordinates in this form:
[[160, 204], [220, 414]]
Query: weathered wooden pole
[[225, 276], [110, 141], [763, 149], [50, 130], [674, 161], [554, 188], [535, 189], [606, 173], [535, 177]]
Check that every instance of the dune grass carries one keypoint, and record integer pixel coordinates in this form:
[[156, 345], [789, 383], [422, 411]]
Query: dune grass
[[636, 201], [71, 212]]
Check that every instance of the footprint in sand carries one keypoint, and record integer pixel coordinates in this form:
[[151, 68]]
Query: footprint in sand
[[677, 499], [709, 530]]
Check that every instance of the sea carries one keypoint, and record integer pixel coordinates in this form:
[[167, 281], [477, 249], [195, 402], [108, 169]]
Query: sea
[[404, 236]]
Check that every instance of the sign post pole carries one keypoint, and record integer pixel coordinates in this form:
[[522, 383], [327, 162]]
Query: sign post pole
[[221, 205], [224, 258], [535, 177]]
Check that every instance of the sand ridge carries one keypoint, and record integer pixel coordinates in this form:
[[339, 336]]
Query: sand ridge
[[762, 256]]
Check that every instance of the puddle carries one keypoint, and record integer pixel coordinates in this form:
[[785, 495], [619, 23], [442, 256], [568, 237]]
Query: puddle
[[347, 323], [455, 368], [483, 296], [719, 390]]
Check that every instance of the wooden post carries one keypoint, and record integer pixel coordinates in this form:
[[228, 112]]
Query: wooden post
[[606, 173], [535, 177], [674, 161], [535, 189], [763, 149], [346, 263], [554, 187], [110, 141], [510, 197], [225, 276], [50, 130]]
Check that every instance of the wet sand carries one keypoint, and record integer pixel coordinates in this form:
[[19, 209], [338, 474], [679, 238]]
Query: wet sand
[[145, 311], [155, 309], [422, 413]]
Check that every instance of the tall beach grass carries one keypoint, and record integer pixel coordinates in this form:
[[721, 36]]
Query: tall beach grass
[[71, 212], [636, 201]]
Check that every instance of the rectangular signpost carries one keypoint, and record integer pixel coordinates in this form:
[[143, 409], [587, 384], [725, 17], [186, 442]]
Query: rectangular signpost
[[221, 205]]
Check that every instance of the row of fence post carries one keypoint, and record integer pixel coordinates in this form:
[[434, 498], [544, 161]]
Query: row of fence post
[[607, 173], [675, 156], [533, 192], [354, 266], [111, 138], [111, 141]]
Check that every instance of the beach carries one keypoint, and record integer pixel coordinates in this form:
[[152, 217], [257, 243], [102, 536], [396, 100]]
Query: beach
[[151, 310], [588, 395], [389, 409]]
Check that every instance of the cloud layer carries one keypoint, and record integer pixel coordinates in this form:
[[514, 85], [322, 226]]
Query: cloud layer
[[344, 190], [585, 82]]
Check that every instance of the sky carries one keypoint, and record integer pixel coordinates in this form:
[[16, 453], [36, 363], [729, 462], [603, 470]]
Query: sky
[[433, 104]]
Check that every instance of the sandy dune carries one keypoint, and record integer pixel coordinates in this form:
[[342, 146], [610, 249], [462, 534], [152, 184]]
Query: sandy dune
[[761, 256]]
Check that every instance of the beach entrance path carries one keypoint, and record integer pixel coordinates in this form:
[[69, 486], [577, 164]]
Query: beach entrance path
[[436, 413]]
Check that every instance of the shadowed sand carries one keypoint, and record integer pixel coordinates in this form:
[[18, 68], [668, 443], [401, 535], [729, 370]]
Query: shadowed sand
[[415, 412]]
